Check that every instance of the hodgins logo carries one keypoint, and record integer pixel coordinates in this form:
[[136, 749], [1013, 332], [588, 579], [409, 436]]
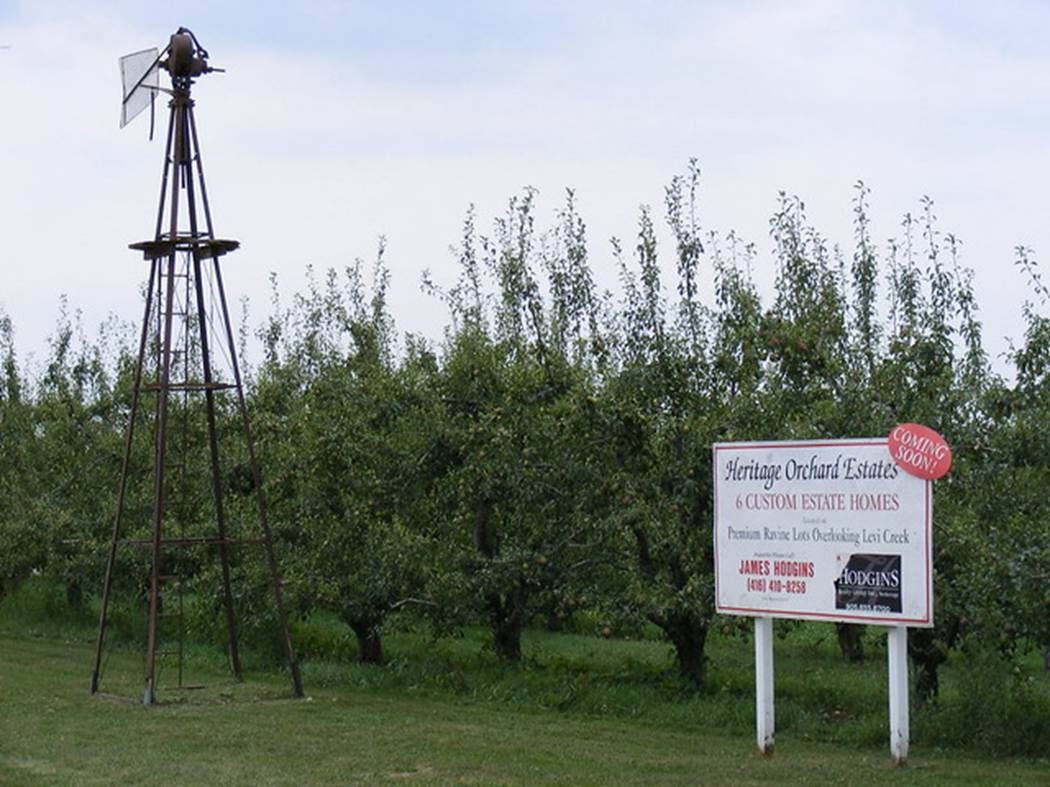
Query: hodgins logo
[[870, 583]]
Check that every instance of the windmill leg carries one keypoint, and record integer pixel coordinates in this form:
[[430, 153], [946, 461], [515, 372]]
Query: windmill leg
[[149, 695], [260, 495], [189, 132], [178, 156], [216, 479], [129, 436]]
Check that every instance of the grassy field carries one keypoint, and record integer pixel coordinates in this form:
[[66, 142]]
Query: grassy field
[[352, 729]]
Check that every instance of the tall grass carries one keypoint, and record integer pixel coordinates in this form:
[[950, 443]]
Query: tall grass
[[987, 706]]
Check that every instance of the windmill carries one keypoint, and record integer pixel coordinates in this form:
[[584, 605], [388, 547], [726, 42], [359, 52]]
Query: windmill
[[186, 333]]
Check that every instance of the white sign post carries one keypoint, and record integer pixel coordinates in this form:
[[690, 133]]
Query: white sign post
[[764, 715], [829, 530], [897, 655]]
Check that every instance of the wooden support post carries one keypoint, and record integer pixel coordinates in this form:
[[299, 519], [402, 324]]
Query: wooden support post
[[764, 716], [897, 655]]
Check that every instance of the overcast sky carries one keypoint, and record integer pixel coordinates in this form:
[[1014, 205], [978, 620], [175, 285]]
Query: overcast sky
[[338, 122]]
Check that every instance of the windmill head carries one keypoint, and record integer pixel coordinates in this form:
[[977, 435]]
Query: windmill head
[[186, 58], [183, 58]]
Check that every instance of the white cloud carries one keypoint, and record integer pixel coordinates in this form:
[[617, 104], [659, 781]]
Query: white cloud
[[310, 155]]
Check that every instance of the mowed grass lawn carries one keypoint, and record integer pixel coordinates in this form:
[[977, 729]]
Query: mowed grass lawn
[[53, 732]]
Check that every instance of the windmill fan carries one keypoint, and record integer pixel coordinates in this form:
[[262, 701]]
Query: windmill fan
[[185, 328]]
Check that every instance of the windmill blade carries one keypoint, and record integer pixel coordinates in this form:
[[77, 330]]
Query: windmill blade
[[140, 80]]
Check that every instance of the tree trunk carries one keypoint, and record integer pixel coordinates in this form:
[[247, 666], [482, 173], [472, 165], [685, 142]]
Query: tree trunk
[[369, 642], [851, 644], [506, 611], [505, 617], [927, 682], [556, 623], [558, 614], [507, 634], [688, 636], [928, 652], [74, 593], [1046, 658]]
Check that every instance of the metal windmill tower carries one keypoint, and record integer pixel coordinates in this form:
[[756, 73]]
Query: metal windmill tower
[[186, 327]]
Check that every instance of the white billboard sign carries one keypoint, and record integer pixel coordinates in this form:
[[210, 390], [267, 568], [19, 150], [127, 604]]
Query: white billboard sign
[[821, 529]]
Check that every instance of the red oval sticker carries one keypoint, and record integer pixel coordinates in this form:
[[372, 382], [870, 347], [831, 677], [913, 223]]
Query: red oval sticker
[[920, 451]]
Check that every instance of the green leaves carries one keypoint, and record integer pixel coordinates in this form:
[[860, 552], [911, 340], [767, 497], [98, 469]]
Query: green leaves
[[552, 454]]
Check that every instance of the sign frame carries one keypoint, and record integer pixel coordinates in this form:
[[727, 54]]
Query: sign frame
[[896, 625], [726, 607]]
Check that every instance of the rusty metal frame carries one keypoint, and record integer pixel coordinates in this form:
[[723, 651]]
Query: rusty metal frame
[[183, 173]]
